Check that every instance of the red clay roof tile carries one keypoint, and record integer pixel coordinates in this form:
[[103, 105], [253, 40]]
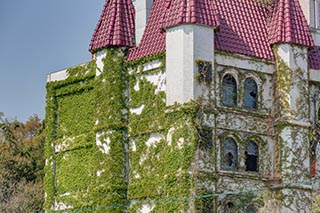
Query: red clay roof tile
[[287, 24], [115, 27], [153, 39], [190, 11], [245, 26]]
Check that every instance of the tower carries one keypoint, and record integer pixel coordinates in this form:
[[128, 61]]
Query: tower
[[291, 112]]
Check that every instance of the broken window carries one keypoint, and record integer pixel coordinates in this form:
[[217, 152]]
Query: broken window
[[252, 156], [229, 94], [230, 150], [250, 94]]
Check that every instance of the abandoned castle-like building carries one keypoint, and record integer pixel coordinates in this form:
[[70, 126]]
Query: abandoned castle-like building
[[189, 106]]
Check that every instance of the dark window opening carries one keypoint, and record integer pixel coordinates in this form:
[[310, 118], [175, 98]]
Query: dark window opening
[[229, 208], [229, 93], [252, 157], [230, 154], [250, 94], [205, 71], [318, 114]]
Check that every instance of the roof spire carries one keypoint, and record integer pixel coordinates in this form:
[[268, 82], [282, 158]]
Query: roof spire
[[287, 24], [115, 27]]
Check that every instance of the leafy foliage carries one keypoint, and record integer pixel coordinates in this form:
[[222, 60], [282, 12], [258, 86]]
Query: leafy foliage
[[21, 165]]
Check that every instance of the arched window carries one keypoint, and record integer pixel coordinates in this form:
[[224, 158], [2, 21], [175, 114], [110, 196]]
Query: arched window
[[229, 88], [252, 156], [230, 154], [250, 94]]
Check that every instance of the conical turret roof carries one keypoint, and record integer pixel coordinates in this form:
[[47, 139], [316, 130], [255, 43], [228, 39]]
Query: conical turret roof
[[287, 24], [115, 27]]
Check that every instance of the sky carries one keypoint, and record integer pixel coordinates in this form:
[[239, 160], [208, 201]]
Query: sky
[[38, 37]]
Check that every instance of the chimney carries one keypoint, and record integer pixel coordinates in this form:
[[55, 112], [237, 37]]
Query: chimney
[[143, 9]]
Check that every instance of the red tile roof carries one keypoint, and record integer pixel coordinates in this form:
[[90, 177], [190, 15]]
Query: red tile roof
[[153, 39], [314, 58], [189, 11], [287, 24], [245, 26], [116, 26]]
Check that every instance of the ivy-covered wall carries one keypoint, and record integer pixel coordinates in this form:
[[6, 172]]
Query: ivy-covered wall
[[69, 136], [114, 146]]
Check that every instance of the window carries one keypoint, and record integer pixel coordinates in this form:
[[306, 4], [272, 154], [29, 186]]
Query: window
[[252, 156], [229, 87], [250, 94], [230, 154]]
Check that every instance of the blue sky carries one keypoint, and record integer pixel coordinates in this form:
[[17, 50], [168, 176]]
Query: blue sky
[[38, 37]]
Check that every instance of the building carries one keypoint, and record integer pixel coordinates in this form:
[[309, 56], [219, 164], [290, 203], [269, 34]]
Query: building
[[189, 106]]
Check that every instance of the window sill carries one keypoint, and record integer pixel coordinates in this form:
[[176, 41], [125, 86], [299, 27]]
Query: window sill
[[239, 110], [240, 174]]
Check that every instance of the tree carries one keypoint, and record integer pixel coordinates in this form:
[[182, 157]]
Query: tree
[[21, 165]]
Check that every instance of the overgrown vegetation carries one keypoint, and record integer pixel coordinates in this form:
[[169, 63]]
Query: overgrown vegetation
[[21, 165]]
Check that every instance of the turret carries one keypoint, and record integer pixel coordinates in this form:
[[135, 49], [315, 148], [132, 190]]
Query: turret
[[189, 40], [290, 38], [116, 27], [113, 35]]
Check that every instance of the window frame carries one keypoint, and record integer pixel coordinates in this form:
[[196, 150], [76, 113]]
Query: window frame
[[244, 94], [224, 153], [224, 92], [257, 156]]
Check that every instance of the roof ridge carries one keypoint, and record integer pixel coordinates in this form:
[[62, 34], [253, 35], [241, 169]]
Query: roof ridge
[[116, 25]]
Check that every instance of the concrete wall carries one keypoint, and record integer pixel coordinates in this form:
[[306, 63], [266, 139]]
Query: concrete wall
[[186, 44]]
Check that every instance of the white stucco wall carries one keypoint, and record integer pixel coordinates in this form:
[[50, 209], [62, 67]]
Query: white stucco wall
[[99, 56], [244, 62], [308, 10], [314, 75], [143, 9], [184, 45], [316, 36], [57, 76]]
